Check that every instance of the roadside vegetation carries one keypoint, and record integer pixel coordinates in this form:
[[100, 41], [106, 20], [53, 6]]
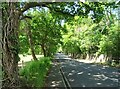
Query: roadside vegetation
[[93, 41], [33, 74]]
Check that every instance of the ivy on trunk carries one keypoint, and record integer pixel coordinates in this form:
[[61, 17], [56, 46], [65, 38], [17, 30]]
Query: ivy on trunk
[[10, 48]]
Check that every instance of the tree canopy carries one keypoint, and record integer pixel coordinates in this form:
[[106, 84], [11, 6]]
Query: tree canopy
[[82, 29]]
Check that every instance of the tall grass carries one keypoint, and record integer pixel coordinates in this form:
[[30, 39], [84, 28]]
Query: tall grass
[[33, 74]]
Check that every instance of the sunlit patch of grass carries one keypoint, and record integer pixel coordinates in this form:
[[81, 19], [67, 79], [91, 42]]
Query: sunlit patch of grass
[[33, 74]]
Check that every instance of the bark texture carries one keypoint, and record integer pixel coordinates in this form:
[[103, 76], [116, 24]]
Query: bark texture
[[10, 48], [10, 20]]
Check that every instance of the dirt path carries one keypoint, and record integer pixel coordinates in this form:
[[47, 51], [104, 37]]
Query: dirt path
[[26, 58]]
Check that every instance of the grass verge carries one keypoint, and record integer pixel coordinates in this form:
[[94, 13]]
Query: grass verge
[[32, 75]]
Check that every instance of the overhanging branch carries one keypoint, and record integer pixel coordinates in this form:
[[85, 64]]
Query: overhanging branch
[[34, 4], [24, 17]]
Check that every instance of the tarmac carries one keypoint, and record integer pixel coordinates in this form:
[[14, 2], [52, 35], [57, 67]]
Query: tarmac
[[80, 75]]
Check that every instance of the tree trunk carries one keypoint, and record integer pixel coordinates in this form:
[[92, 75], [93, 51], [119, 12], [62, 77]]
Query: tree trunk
[[10, 22], [10, 48], [31, 43], [44, 51]]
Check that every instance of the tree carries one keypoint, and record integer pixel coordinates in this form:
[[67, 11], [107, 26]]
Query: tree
[[10, 45], [92, 32], [31, 43], [12, 13], [46, 31]]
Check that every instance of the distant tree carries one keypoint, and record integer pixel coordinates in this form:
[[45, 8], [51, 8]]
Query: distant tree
[[46, 31]]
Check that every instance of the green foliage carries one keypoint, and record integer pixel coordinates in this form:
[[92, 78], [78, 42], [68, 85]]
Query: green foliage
[[85, 37], [93, 38], [91, 29], [71, 46], [34, 72], [24, 44], [109, 44], [37, 49], [89, 37], [46, 31]]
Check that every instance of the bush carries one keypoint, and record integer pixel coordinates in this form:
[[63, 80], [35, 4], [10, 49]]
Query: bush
[[33, 74]]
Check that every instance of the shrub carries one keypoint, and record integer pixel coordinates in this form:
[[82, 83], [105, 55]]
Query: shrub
[[33, 74]]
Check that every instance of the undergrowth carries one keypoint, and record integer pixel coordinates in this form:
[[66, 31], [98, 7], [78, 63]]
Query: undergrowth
[[33, 74]]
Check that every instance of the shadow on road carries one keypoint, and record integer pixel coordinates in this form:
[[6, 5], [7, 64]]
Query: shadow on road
[[54, 78], [81, 74]]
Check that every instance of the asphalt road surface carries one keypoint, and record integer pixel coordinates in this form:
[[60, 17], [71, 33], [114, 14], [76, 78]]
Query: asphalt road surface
[[80, 74]]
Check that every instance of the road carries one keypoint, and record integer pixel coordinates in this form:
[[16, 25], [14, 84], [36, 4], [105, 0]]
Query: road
[[80, 74]]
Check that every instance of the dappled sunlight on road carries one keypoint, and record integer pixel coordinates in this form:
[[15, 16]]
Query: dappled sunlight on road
[[54, 79], [84, 74], [55, 83], [80, 73]]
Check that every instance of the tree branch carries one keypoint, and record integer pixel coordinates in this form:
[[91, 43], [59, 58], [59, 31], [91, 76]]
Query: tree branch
[[34, 4], [24, 17]]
